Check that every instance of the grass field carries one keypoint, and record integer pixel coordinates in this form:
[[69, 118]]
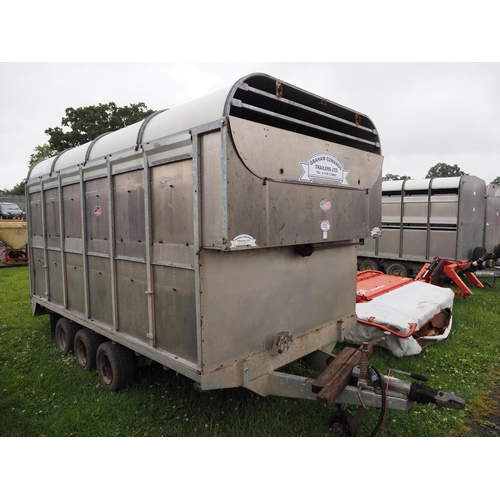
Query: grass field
[[44, 393]]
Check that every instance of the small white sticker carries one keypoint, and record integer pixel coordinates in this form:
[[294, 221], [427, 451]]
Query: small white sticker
[[243, 240], [325, 227]]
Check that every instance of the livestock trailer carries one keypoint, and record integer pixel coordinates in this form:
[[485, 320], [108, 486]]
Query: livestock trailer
[[217, 238], [492, 219], [449, 217]]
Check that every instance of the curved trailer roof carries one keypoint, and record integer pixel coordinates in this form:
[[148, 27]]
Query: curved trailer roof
[[421, 184], [256, 97]]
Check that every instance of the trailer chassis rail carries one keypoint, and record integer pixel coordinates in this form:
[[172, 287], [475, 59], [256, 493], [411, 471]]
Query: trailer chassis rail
[[350, 380]]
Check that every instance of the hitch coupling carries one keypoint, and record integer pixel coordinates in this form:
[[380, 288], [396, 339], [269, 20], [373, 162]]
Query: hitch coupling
[[423, 394]]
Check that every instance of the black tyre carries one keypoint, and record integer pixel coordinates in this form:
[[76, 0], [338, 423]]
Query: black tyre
[[477, 253], [304, 250], [54, 318], [64, 335], [115, 365], [369, 265], [398, 269], [496, 251], [86, 344], [342, 424]]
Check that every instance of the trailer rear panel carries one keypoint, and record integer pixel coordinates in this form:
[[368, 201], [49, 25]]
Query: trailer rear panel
[[492, 219]]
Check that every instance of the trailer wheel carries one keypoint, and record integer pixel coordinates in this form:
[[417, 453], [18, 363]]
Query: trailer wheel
[[115, 365], [398, 269], [369, 265], [54, 318], [86, 345], [477, 253], [496, 251], [64, 335], [342, 424]]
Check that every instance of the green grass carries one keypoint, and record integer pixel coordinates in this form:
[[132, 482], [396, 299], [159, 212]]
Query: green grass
[[44, 393]]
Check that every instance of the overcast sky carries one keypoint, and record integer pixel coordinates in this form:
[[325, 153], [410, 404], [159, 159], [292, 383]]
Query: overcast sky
[[425, 113]]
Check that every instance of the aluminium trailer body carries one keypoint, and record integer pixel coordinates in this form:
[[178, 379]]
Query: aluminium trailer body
[[425, 218], [212, 237], [492, 220]]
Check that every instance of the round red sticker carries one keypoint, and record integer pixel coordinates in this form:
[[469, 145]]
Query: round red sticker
[[325, 204]]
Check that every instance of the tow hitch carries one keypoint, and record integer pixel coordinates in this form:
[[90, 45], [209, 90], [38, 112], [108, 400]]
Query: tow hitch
[[424, 394], [349, 379]]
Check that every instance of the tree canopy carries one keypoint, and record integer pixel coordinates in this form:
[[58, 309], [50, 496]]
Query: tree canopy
[[496, 180], [444, 170], [395, 177], [18, 189], [40, 153], [84, 124]]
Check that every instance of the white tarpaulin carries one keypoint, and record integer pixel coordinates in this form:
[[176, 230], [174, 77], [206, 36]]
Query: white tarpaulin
[[414, 303]]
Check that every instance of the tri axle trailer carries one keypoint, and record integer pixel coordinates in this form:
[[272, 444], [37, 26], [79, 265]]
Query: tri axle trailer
[[217, 238], [454, 218]]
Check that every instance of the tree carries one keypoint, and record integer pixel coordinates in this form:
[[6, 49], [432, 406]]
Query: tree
[[40, 153], [84, 124], [496, 180], [444, 170], [395, 177], [18, 189]]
